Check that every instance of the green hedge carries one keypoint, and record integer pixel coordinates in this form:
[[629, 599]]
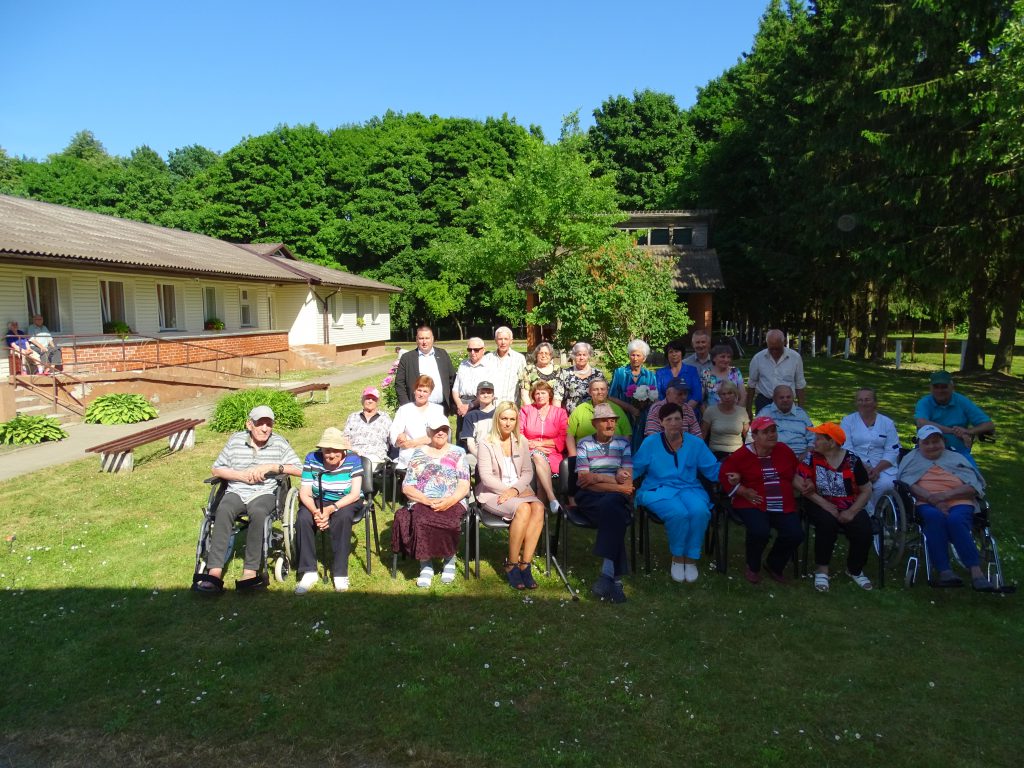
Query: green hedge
[[119, 409], [232, 410]]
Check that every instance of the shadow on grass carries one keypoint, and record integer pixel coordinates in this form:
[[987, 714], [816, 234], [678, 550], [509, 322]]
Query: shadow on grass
[[165, 677]]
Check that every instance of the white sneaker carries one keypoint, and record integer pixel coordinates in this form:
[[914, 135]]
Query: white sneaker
[[306, 582], [678, 572], [341, 583], [691, 573]]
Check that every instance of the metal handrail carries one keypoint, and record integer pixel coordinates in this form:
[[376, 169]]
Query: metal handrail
[[71, 342]]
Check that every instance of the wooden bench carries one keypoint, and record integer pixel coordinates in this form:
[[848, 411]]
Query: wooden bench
[[311, 388], [117, 455]]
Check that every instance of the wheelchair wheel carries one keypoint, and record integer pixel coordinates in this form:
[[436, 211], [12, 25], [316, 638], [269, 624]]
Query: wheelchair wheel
[[288, 521], [281, 569], [893, 517]]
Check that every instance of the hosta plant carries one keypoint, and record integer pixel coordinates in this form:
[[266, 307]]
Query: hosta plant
[[232, 410], [28, 430], [119, 409]]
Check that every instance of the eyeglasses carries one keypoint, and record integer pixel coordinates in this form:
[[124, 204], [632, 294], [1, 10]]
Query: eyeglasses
[[474, 349]]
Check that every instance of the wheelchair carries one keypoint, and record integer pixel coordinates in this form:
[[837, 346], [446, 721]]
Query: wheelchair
[[901, 507], [276, 548], [371, 483]]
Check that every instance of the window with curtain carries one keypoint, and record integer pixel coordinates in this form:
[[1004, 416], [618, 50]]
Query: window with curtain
[[167, 307], [112, 301], [42, 299], [210, 303], [244, 308]]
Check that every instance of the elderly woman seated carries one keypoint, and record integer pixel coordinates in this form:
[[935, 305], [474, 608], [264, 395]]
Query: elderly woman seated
[[506, 471], [836, 490], [436, 484], [543, 426], [724, 426], [332, 479], [759, 479], [946, 487], [409, 429], [669, 462]]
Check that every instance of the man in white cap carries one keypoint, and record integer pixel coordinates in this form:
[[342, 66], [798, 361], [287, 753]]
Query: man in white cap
[[368, 429], [248, 462]]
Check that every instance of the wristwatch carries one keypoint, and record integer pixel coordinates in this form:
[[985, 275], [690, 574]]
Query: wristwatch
[[280, 469]]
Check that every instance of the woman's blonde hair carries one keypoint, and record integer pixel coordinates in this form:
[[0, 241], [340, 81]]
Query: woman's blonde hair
[[728, 386], [495, 435]]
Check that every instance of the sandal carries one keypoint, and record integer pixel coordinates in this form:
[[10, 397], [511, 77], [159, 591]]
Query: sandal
[[821, 582], [253, 584], [515, 576], [448, 573], [205, 584], [426, 576], [861, 580], [526, 574]]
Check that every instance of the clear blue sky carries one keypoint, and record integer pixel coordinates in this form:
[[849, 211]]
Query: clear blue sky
[[173, 74]]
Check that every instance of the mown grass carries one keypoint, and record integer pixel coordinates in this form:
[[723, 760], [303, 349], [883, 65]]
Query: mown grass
[[110, 660]]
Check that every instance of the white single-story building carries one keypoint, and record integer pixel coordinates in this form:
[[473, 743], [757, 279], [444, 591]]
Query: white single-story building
[[86, 273]]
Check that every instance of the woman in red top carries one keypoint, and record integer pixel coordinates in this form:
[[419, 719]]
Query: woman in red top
[[837, 489], [759, 479], [543, 425]]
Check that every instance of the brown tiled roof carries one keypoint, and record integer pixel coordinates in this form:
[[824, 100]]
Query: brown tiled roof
[[38, 230], [697, 269]]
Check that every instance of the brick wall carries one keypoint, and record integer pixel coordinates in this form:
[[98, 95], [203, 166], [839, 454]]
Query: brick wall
[[144, 354]]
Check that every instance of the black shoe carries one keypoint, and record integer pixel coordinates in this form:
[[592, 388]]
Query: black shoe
[[618, 595], [603, 587]]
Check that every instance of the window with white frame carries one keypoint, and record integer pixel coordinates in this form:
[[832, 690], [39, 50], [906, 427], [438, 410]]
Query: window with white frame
[[376, 310], [42, 299], [244, 308], [112, 304], [213, 307], [336, 310], [167, 306]]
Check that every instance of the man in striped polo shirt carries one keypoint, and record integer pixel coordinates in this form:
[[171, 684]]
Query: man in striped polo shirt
[[248, 462], [604, 476], [332, 479]]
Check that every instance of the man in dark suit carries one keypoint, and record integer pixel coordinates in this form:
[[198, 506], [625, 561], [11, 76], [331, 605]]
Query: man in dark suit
[[426, 360]]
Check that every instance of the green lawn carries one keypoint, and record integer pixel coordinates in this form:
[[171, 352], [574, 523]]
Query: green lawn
[[110, 659]]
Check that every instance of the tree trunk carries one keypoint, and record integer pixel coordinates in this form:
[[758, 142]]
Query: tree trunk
[[1013, 291], [977, 324], [462, 330], [881, 325], [859, 325]]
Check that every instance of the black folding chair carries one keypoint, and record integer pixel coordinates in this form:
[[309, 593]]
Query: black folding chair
[[876, 530]]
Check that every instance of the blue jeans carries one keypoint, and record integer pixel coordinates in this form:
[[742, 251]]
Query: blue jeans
[[941, 530]]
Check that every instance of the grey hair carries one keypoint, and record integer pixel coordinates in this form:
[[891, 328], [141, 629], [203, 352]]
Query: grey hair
[[639, 345], [504, 329], [543, 345], [585, 345]]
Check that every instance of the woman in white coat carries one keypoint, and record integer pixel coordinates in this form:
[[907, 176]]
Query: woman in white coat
[[873, 438]]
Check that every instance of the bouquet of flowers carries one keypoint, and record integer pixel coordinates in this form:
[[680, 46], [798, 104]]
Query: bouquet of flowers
[[642, 396]]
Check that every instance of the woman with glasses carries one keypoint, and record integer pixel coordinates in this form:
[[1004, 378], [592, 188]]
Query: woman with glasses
[[541, 369]]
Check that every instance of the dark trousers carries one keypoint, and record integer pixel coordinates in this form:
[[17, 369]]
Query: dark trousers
[[340, 529], [759, 525], [611, 513], [230, 507], [827, 530]]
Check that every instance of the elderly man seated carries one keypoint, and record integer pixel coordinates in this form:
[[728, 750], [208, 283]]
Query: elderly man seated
[[18, 341], [955, 416], [604, 477], [791, 421], [676, 391], [946, 487], [39, 336], [248, 462]]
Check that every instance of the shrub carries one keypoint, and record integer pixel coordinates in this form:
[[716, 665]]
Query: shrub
[[117, 328], [29, 430], [232, 410], [119, 409], [388, 393], [214, 324]]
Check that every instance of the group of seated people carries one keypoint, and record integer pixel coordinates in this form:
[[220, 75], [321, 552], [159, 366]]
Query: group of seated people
[[34, 348], [647, 439]]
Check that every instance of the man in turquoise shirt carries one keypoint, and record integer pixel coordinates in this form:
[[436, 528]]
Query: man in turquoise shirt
[[959, 419]]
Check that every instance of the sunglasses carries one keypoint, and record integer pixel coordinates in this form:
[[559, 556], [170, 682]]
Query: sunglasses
[[474, 349]]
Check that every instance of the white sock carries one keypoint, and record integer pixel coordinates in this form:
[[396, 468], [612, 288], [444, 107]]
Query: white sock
[[341, 583]]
